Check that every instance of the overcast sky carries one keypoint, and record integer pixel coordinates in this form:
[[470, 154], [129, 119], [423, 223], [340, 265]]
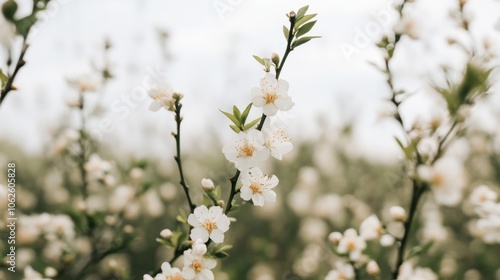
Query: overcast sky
[[208, 57]]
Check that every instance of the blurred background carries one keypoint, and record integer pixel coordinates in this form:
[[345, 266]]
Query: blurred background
[[345, 165]]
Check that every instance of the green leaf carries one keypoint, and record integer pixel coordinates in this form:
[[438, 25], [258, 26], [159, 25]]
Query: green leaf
[[419, 250], [250, 125], [303, 40], [286, 32], [232, 118], [24, 25], [217, 192], [236, 112], [305, 28], [3, 79], [304, 20], [301, 12], [235, 207], [245, 113], [182, 217], [259, 60], [235, 128]]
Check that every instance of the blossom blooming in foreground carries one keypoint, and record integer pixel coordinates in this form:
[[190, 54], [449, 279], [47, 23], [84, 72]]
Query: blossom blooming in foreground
[[277, 142], [196, 266], [208, 223], [352, 244], [167, 273], [446, 179], [247, 150], [342, 271], [371, 228], [258, 187], [272, 95], [407, 272], [162, 95], [482, 194], [96, 167]]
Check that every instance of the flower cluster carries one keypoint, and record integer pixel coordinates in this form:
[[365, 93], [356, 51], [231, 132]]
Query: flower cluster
[[487, 208], [196, 266]]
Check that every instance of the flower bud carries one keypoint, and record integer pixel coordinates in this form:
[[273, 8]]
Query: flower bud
[[372, 268], [387, 240], [275, 58], [199, 248], [292, 14], [221, 203], [207, 185], [50, 272], [128, 229], [166, 233], [397, 213], [9, 9], [335, 237]]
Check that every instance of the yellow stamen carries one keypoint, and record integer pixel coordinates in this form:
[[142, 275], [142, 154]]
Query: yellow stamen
[[270, 97]]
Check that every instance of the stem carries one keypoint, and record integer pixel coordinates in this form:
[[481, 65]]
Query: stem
[[443, 141], [177, 136], [20, 63], [81, 142], [234, 179], [415, 198]]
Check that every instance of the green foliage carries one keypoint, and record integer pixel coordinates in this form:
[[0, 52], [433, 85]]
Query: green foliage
[[239, 119]]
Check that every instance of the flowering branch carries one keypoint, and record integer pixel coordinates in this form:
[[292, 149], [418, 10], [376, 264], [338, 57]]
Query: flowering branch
[[10, 81], [177, 135]]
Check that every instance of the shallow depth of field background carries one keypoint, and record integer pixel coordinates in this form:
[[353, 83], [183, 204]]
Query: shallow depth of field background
[[345, 162]]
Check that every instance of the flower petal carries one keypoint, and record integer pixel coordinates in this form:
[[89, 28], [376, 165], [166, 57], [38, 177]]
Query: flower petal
[[199, 233], [217, 236]]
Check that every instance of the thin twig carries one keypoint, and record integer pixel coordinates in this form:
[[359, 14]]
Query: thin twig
[[9, 86]]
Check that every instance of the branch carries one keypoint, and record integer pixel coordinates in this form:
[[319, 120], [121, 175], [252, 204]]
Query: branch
[[20, 63]]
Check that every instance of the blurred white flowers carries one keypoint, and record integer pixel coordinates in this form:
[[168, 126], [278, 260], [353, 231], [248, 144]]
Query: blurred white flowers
[[272, 95], [371, 228], [167, 273], [247, 150], [488, 210], [277, 142], [7, 33], [258, 187], [342, 271], [407, 272], [351, 244], [446, 179], [96, 167], [162, 95], [208, 223]]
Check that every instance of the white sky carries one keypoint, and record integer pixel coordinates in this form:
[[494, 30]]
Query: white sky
[[211, 64]]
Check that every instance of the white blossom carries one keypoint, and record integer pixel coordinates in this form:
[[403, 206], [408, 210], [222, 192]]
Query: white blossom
[[277, 142], [387, 240], [371, 228], [258, 187], [96, 167], [247, 150], [208, 223], [342, 271], [372, 268], [351, 244], [482, 194], [162, 95], [196, 266], [397, 213], [272, 95], [408, 272], [446, 179]]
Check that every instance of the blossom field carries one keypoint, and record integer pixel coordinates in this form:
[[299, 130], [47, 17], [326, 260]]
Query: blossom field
[[259, 140]]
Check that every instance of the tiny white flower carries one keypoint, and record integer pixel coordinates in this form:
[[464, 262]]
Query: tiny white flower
[[166, 233], [371, 228], [208, 224], [199, 248], [335, 237], [446, 179], [207, 185], [247, 151], [387, 240], [351, 243], [482, 194], [372, 268], [197, 267], [397, 213], [272, 95], [96, 167], [258, 187], [407, 272], [169, 273], [162, 95], [277, 142], [342, 271]]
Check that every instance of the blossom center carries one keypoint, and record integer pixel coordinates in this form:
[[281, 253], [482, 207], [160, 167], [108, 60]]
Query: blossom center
[[270, 97], [351, 245], [209, 225], [246, 150], [162, 94], [175, 277], [437, 180], [197, 266], [256, 188]]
